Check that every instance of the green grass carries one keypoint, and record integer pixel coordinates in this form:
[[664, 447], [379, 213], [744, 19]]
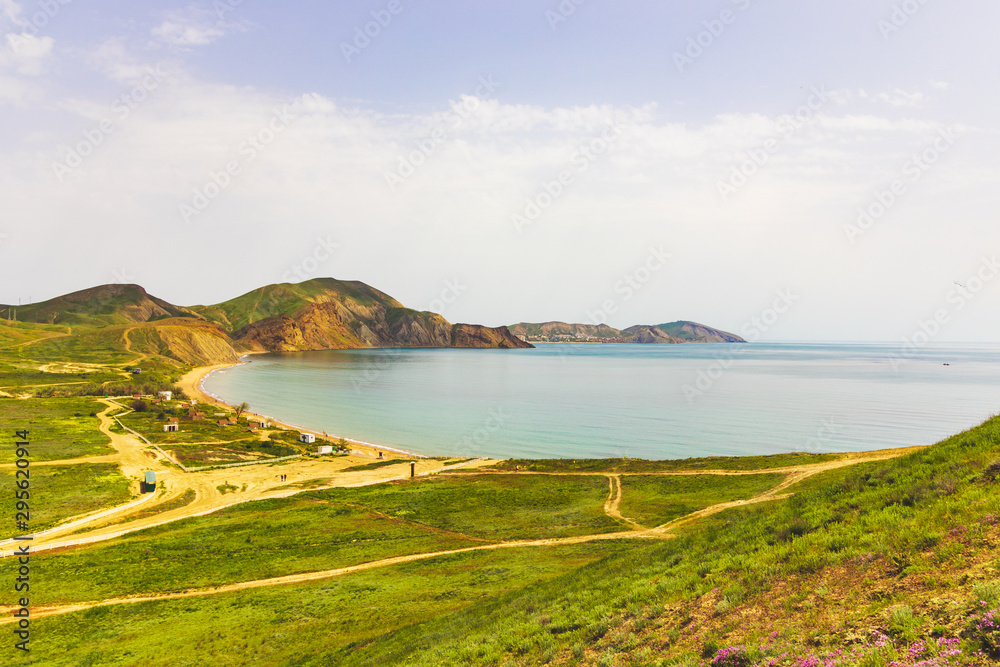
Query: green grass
[[60, 492], [880, 534], [59, 428], [495, 507], [654, 501], [99, 346], [327, 529], [150, 424], [642, 465], [240, 543], [319, 623], [194, 456], [375, 466], [182, 501]]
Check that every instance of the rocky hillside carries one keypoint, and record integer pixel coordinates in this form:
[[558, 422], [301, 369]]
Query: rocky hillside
[[678, 332], [564, 329], [658, 334], [321, 314]]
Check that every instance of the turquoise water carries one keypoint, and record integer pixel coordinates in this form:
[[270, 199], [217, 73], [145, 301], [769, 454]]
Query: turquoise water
[[644, 401]]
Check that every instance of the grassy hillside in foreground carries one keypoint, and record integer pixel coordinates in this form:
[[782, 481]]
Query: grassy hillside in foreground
[[892, 563]]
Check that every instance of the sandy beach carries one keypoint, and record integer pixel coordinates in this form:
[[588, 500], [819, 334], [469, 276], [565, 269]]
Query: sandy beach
[[191, 383]]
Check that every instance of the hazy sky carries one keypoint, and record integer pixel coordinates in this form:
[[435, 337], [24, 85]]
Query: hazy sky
[[636, 162]]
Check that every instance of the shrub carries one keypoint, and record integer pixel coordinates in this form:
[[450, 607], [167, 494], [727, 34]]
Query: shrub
[[139, 405], [984, 627], [732, 656], [992, 471]]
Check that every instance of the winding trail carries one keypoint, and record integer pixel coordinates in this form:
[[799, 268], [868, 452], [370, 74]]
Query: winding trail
[[615, 499], [665, 531]]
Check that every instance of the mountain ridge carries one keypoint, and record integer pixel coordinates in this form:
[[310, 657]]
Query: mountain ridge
[[318, 314], [671, 333]]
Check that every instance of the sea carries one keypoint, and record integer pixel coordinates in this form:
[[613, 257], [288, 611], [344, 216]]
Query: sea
[[569, 400]]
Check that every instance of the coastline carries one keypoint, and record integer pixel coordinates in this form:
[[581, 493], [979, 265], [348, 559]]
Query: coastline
[[193, 385]]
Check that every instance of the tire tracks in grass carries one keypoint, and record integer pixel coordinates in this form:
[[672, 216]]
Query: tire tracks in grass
[[614, 500]]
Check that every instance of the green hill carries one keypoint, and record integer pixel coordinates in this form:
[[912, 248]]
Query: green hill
[[289, 299], [671, 333], [98, 306]]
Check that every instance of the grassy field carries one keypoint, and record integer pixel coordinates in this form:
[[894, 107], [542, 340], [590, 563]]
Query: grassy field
[[375, 466], [204, 442], [194, 456], [58, 492], [60, 428], [493, 507], [321, 623], [906, 550], [242, 543], [322, 530], [641, 465], [654, 501]]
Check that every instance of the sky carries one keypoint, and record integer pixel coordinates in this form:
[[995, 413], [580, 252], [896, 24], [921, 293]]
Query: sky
[[807, 170]]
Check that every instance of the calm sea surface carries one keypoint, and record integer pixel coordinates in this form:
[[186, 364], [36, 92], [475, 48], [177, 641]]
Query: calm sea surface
[[644, 401]]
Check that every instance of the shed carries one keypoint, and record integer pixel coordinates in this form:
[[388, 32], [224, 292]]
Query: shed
[[324, 449], [307, 438], [171, 427], [149, 485]]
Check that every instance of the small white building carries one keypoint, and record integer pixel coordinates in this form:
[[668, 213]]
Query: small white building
[[324, 449], [171, 427], [307, 438], [165, 395]]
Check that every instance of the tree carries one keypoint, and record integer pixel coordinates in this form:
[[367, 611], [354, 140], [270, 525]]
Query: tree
[[139, 405], [241, 408]]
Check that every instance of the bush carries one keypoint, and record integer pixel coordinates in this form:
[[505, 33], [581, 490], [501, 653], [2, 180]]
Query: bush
[[732, 656], [992, 471], [139, 405]]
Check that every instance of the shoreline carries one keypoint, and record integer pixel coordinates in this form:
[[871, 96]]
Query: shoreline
[[193, 385]]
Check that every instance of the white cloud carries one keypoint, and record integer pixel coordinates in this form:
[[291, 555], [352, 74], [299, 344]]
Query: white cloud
[[325, 173], [193, 27], [26, 54]]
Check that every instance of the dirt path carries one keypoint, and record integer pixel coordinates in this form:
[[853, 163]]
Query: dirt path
[[796, 474], [325, 574], [128, 347], [614, 499]]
